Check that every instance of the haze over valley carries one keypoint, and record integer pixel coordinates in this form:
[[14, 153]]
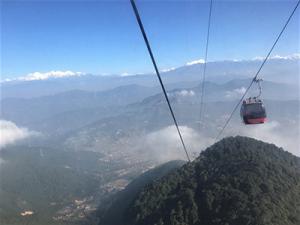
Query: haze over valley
[[149, 112], [95, 141]]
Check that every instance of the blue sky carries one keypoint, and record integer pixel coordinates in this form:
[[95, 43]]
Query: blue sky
[[102, 37]]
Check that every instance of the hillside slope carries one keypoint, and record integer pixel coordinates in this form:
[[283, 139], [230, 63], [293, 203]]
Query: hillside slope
[[59, 187], [113, 215], [236, 181]]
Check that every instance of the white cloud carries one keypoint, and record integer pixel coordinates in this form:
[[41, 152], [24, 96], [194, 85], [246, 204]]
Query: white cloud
[[235, 93], [50, 74], [168, 70], [6, 80], [295, 56], [181, 93], [236, 60], [10, 133], [199, 61], [165, 145], [258, 58], [125, 74], [271, 132], [185, 93], [46, 75]]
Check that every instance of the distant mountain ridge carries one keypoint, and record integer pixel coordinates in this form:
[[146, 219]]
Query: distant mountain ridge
[[236, 181], [278, 69], [79, 108]]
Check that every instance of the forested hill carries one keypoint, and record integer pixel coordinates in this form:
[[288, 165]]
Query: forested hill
[[112, 215], [236, 181]]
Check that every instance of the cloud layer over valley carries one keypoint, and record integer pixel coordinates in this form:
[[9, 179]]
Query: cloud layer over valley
[[165, 145], [272, 132], [10, 133]]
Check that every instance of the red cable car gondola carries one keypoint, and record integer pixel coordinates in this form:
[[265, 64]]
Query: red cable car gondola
[[253, 110]]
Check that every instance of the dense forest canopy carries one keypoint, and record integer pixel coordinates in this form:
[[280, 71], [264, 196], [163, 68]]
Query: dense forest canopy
[[236, 181]]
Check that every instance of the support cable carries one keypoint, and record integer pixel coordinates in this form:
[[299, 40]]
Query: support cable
[[158, 74], [205, 63]]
